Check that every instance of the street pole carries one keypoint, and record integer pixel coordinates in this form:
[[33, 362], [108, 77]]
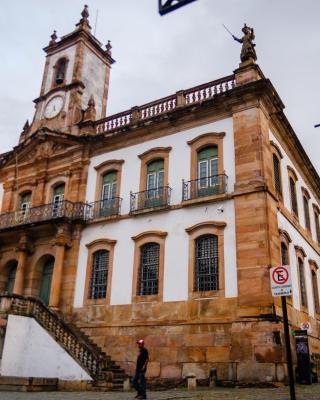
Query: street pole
[[288, 347]]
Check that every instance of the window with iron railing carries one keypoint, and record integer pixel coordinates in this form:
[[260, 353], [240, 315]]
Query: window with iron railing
[[206, 275], [208, 171], [99, 275], [148, 280], [57, 201]]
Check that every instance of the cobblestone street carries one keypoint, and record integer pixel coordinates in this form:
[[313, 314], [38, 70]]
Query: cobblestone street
[[303, 393]]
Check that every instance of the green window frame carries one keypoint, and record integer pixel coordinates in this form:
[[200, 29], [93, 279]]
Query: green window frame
[[108, 203], [208, 171], [155, 183]]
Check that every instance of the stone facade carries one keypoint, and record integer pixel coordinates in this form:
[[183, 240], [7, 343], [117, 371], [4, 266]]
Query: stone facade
[[235, 329]]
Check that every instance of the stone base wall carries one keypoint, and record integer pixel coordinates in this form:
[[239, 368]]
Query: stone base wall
[[239, 351]]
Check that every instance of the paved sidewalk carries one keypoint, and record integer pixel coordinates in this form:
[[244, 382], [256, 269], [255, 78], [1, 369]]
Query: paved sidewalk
[[303, 393]]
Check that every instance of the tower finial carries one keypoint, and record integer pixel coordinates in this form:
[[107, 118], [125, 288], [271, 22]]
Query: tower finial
[[85, 12], [84, 21], [108, 48], [54, 38]]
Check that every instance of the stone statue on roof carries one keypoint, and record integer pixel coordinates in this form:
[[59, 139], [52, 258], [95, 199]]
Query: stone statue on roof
[[247, 52]]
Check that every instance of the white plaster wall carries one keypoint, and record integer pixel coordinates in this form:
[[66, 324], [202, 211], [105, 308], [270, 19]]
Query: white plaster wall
[[298, 240], [179, 161], [93, 76], [174, 222], [285, 162], [176, 250], [68, 53], [29, 351], [1, 195]]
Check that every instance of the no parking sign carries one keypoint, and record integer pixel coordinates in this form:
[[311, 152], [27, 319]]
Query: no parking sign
[[280, 277]]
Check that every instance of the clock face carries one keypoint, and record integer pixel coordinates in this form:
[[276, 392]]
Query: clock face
[[53, 107]]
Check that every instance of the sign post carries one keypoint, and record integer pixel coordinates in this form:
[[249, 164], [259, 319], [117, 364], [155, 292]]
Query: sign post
[[281, 286]]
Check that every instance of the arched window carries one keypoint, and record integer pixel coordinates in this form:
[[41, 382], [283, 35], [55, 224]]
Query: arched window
[[109, 204], [148, 280], [25, 199], [155, 171], [293, 195], [208, 179], [302, 283], [11, 278], [57, 200], [315, 290], [206, 276], [277, 174], [24, 205], [99, 275], [284, 254], [317, 225], [109, 186], [306, 212], [60, 71]]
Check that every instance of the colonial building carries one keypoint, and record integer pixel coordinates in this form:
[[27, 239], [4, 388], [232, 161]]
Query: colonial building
[[159, 222]]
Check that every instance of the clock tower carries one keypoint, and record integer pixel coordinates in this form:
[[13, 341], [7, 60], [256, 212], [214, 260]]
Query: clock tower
[[76, 74]]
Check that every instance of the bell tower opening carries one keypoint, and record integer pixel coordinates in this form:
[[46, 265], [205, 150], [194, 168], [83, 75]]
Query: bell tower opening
[[60, 71]]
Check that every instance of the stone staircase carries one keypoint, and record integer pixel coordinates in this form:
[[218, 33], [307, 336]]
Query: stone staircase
[[106, 374]]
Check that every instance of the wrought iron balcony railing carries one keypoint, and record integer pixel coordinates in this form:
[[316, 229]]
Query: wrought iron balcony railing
[[152, 198], [203, 187], [103, 208], [47, 212]]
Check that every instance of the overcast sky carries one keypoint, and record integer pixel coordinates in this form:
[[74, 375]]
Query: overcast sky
[[156, 56]]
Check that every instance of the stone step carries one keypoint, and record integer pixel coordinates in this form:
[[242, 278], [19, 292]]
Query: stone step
[[31, 384]]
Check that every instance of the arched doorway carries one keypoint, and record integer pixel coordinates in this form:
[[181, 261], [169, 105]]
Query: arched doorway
[[45, 286]]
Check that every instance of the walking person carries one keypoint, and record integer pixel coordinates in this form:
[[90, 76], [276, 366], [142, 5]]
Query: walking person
[[139, 380]]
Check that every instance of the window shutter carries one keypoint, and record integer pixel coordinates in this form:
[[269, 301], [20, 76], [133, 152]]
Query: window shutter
[[303, 291], [293, 194], [276, 171], [306, 213]]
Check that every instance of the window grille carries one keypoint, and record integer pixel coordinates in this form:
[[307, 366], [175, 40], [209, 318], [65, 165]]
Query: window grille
[[99, 275], [306, 213], [293, 194], [284, 254], [276, 170], [206, 263], [315, 291], [316, 218], [303, 291], [149, 269]]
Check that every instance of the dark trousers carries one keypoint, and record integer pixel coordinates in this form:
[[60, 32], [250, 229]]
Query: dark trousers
[[139, 383]]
